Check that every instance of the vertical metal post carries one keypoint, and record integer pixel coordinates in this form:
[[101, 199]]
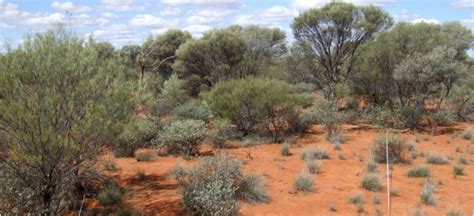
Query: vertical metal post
[[387, 159]]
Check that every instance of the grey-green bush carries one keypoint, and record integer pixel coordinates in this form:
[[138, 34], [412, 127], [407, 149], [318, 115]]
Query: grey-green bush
[[303, 183], [313, 166], [397, 148], [435, 158], [220, 133], [419, 171], [427, 194], [371, 182], [357, 199], [138, 133], [315, 153], [468, 134], [145, 156], [182, 136], [110, 195], [458, 170], [285, 149], [172, 95], [255, 105], [213, 186], [194, 111]]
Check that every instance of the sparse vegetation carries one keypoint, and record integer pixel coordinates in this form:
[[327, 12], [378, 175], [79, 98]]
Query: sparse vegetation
[[458, 170], [454, 213], [419, 171], [434, 158], [397, 148], [145, 156], [427, 194], [371, 182], [357, 199], [285, 149], [303, 183], [468, 134], [313, 166], [315, 153], [221, 132]]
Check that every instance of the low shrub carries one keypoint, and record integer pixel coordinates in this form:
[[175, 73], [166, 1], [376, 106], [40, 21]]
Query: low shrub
[[313, 166], [458, 170], [285, 149], [444, 117], [340, 156], [371, 166], [326, 113], [419, 171], [427, 194], [337, 138], [304, 87], [110, 195], [435, 158], [194, 111], [138, 133], [220, 133], [357, 199], [454, 213], [397, 149], [145, 156], [371, 182], [213, 186], [303, 183], [172, 95], [182, 136], [110, 165], [468, 134], [376, 200], [315, 153], [462, 160]]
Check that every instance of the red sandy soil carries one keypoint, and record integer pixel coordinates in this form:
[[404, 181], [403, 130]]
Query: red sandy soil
[[338, 180]]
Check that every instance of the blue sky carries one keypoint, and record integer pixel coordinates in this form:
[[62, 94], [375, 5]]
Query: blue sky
[[125, 22]]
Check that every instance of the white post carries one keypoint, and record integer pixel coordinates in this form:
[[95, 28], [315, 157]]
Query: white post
[[388, 175]]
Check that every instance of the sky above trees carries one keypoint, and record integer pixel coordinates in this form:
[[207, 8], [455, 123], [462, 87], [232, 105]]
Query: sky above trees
[[124, 22]]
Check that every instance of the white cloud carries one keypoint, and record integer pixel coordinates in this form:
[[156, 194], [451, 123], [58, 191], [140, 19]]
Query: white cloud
[[159, 31], [151, 21], [170, 11], [463, 4], [45, 19], [306, 4], [469, 22], [70, 7], [206, 17], [273, 16], [8, 10], [197, 30], [228, 4], [118, 35], [405, 16], [121, 5], [4, 25], [420, 20]]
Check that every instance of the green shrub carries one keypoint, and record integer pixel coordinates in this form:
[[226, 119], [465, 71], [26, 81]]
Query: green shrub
[[213, 186], [337, 138], [462, 160], [427, 196], [410, 117], [435, 158], [182, 136], [315, 153], [192, 111], [304, 87], [419, 171], [220, 133], [371, 182], [254, 140], [397, 148], [255, 105], [468, 134], [300, 122], [357, 199], [303, 183], [138, 133], [172, 95], [371, 166], [285, 149], [110, 195], [458, 170], [145, 156], [313, 166], [444, 117]]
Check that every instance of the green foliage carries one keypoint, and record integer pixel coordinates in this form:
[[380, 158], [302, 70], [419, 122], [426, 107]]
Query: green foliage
[[255, 105], [435, 158], [182, 136], [213, 186], [371, 182], [325, 113], [342, 28], [313, 166], [59, 103], [315, 153], [172, 95], [213, 57], [220, 133], [138, 133], [110, 165], [145, 156], [419, 171], [397, 149], [371, 166], [303, 183], [194, 111], [468, 134]]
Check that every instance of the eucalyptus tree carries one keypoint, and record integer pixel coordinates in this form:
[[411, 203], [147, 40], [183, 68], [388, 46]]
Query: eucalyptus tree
[[332, 36]]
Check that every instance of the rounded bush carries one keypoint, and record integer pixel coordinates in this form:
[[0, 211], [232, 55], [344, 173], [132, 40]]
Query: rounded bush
[[397, 149], [138, 133]]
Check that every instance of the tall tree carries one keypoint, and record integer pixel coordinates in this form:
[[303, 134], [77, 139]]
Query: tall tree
[[215, 56], [332, 36]]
